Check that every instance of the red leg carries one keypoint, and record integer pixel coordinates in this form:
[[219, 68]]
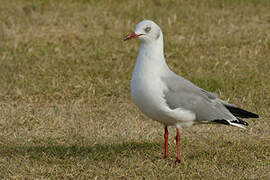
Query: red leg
[[177, 138], [166, 134]]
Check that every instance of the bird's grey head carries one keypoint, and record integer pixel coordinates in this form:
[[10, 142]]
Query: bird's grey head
[[146, 31]]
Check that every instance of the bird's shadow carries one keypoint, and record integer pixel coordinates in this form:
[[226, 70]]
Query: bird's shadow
[[96, 152]]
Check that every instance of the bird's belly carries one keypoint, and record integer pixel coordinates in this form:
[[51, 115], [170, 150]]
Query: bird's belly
[[148, 96]]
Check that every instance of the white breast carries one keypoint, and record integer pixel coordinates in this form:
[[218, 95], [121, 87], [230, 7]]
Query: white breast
[[147, 87], [146, 95]]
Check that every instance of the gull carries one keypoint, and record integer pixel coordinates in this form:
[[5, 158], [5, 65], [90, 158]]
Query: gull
[[169, 98]]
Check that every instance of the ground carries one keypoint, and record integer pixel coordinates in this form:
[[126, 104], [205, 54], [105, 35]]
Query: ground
[[65, 105]]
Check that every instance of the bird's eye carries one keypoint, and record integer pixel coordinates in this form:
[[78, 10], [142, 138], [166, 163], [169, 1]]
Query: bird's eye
[[148, 29]]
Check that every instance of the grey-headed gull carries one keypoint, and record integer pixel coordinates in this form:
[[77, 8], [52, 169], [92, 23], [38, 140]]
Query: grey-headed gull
[[171, 99]]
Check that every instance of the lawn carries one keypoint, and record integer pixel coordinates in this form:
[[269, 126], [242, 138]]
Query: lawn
[[65, 105]]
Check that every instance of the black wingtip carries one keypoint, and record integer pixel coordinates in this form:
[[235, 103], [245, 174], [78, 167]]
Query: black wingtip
[[240, 121], [222, 121], [226, 122], [238, 112]]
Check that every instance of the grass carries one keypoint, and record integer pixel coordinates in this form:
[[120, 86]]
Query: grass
[[65, 73]]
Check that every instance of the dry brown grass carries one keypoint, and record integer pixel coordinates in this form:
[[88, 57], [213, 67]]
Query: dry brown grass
[[66, 110]]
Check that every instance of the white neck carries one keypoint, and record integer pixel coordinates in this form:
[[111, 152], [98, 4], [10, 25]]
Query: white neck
[[153, 48], [151, 58]]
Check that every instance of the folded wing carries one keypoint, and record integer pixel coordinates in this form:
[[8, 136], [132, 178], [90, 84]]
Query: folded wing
[[182, 93]]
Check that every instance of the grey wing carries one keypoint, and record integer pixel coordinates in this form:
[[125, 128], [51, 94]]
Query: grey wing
[[205, 109], [236, 111], [182, 93]]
